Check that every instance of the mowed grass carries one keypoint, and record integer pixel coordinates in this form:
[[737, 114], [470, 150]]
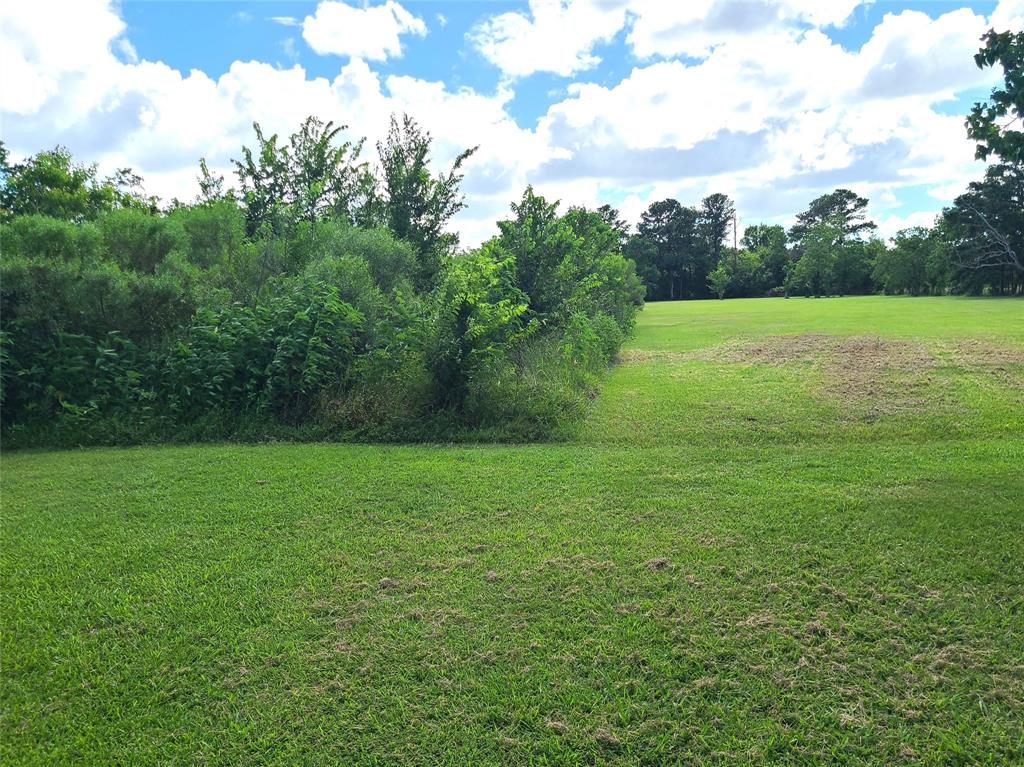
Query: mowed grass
[[791, 531]]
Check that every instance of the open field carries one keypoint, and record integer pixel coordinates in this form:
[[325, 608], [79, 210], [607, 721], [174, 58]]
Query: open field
[[791, 531]]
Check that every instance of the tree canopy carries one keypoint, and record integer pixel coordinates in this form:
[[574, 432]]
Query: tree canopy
[[996, 123]]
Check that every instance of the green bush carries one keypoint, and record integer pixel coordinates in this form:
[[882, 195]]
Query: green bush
[[281, 357], [137, 240], [44, 238], [121, 323]]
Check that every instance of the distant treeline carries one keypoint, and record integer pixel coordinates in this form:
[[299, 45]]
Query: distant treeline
[[976, 246], [316, 299], [832, 250]]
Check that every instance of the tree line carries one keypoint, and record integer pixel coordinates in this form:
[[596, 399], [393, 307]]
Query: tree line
[[976, 245], [316, 296]]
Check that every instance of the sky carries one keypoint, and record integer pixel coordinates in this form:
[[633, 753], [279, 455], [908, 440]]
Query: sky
[[772, 102]]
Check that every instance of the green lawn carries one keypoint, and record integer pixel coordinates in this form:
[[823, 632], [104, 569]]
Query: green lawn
[[791, 531]]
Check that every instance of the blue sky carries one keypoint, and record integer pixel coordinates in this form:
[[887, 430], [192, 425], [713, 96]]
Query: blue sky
[[624, 101]]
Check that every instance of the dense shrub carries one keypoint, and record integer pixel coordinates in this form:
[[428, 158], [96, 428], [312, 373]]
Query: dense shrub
[[122, 323], [282, 357]]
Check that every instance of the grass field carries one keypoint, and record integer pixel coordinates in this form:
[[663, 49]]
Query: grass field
[[791, 531]]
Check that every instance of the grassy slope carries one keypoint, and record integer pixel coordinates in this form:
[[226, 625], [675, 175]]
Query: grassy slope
[[735, 562]]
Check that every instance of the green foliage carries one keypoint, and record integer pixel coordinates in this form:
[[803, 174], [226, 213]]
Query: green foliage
[[719, 280], [851, 272], [841, 209], [717, 214], [984, 230], [46, 238], [52, 184], [275, 314], [676, 248], [644, 255], [769, 241], [568, 263], [814, 273], [213, 234], [391, 262], [674, 232], [611, 217], [282, 357], [987, 123], [739, 274], [309, 179], [137, 240], [917, 263], [415, 204], [477, 314]]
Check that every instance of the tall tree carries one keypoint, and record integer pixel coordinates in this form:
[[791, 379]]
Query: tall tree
[[759, 236], [311, 178], [540, 243], [51, 183], [716, 218], [417, 205], [842, 209], [326, 177], [672, 229], [211, 185], [915, 264], [986, 226], [769, 242], [611, 217], [644, 254], [814, 273], [996, 124]]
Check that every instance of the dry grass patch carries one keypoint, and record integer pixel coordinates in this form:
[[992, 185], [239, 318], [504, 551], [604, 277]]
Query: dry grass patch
[[869, 372]]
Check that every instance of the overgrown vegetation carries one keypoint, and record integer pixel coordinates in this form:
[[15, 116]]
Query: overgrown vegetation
[[317, 300]]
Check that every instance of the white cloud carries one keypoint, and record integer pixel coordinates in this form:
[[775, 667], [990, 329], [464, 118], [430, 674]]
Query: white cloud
[[910, 53], [372, 32], [125, 47], [560, 36], [1008, 15], [160, 121], [695, 27], [556, 36], [284, 21], [889, 225], [774, 119], [778, 121], [289, 48], [43, 43]]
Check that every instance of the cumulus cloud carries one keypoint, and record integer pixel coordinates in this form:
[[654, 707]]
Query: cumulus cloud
[[773, 118], [44, 43], [777, 123], [1009, 14], [560, 36], [694, 28], [908, 53], [555, 36], [889, 225], [372, 32], [160, 121]]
